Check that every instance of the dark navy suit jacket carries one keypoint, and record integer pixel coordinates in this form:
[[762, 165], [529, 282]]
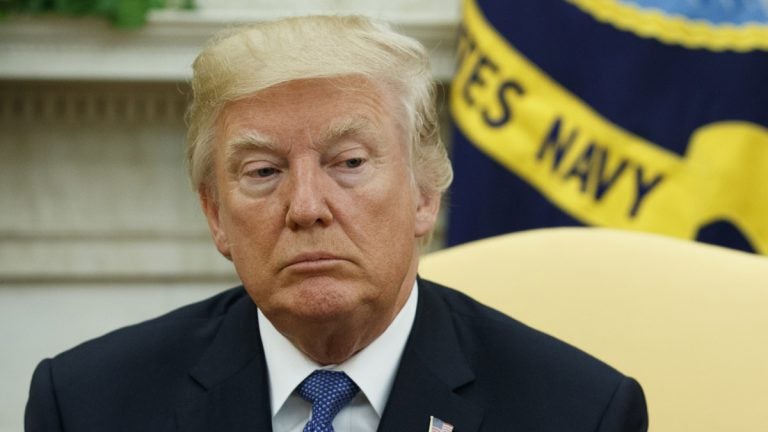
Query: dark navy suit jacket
[[201, 368]]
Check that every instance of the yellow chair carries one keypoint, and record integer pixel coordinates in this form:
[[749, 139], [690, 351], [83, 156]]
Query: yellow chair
[[689, 321]]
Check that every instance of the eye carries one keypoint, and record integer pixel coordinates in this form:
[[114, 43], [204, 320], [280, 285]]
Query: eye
[[262, 172], [265, 172], [354, 162]]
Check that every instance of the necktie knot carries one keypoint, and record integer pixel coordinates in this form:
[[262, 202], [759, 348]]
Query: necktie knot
[[329, 392]]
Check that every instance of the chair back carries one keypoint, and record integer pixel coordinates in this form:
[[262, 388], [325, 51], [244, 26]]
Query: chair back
[[688, 320]]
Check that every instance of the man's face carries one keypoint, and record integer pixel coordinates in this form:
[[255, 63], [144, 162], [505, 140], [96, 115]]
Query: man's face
[[316, 205]]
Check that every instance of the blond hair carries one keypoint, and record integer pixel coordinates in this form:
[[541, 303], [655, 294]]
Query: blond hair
[[239, 62]]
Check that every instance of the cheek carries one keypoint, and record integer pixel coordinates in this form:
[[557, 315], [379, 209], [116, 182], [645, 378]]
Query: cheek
[[384, 214], [252, 225]]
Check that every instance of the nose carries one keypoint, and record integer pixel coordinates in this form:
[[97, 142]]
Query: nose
[[307, 198]]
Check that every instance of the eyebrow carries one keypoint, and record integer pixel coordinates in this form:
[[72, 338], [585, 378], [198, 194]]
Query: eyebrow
[[248, 140], [254, 141], [347, 127]]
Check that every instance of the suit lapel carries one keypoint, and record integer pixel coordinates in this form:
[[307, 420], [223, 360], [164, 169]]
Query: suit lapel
[[431, 371], [234, 385], [233, 378]]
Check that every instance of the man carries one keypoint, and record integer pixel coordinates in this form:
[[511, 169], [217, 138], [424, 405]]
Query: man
[[314, 148]]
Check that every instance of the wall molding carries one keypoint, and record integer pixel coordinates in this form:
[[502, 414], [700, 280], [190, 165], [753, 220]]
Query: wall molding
[[88, 103], [53, 48], [165, 259]]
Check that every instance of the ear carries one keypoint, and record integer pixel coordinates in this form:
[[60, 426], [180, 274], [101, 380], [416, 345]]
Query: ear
[[210, 207], [427, 209]]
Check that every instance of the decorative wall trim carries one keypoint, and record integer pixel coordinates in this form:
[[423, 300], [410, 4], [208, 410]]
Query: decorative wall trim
[[48, 48], [135, 260], [66, 177], [85, 103]]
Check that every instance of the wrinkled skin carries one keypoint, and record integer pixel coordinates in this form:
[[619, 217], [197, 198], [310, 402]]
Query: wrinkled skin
[[316, 206]]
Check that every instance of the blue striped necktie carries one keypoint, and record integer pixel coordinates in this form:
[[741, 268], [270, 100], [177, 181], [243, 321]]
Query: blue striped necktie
[[328, 392]]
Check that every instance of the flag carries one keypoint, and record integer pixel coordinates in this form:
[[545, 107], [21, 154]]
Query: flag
[[437, 425], [645, 115]]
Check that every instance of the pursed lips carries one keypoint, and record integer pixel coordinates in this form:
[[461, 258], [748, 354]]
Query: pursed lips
[[313, 261]]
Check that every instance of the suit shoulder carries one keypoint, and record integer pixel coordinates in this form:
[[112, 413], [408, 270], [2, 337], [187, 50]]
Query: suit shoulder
[[171, 336], [137, 374], [488, 332], [534, 380]]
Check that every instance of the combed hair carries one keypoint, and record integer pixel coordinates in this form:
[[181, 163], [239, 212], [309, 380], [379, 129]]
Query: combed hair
[[238, 62]]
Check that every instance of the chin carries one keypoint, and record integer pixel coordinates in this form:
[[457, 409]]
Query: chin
[[322, 305], [321, 299]]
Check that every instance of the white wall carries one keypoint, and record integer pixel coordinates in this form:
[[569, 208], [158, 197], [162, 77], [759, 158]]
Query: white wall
[[68, 48], [446, 9]]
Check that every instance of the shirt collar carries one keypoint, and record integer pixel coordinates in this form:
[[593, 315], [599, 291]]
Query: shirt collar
[[373, 369]]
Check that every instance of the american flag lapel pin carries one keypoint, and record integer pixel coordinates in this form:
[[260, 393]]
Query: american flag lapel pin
[[437, 425]]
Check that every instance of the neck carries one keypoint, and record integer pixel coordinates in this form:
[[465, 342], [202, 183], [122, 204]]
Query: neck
[[334, 341]]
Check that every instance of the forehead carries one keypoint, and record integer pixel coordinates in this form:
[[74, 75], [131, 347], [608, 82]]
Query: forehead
[[313, 106]]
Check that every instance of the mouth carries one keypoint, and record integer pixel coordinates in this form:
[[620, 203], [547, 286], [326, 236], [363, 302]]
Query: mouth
[[313, 261]]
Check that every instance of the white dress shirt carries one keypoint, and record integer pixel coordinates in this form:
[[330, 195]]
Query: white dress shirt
[[373, 369]]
